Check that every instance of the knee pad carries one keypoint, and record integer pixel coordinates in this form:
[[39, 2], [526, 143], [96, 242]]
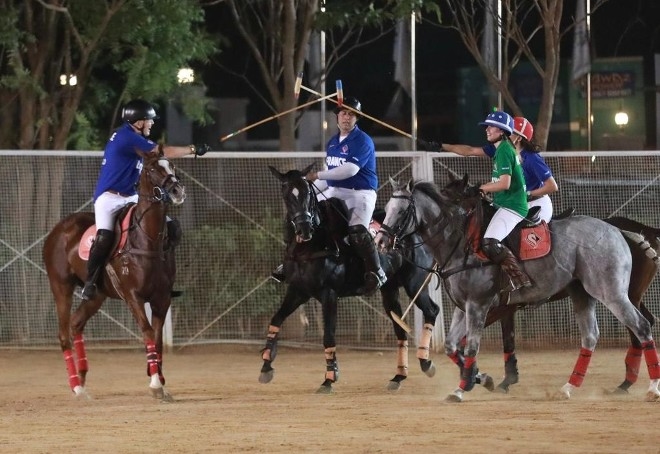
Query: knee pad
[[358, 234], [493, 249]]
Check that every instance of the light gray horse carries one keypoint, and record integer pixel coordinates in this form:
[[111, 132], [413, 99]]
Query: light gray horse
[[590, 259]]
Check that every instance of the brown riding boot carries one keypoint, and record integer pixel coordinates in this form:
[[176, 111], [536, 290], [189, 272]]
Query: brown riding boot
[[502, 256], [518, 278]]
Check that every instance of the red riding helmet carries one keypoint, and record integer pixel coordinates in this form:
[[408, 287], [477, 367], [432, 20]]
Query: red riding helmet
[[523, 128]]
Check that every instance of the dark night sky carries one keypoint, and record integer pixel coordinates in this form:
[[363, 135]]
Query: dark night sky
[[618, 28]]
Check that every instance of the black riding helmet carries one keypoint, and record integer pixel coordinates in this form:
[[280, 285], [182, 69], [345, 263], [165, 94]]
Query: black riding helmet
[[138, 109], [351, 102]]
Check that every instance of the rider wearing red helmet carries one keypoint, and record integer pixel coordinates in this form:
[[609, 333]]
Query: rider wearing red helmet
[[538, 176], [509, 193]]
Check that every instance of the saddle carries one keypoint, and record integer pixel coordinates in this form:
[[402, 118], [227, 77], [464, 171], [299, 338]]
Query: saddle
[[122, 223], [529, 240]]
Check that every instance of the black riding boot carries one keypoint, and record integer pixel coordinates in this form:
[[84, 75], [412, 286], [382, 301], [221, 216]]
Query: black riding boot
[[98, 255], [502, 256], [363, 244]]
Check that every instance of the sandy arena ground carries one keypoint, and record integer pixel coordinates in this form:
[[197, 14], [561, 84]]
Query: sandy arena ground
[[220, 407]]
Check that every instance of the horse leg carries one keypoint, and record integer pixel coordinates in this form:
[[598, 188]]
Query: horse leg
[[475, 318], [507, 325], [584, 306], [329, 308], [74, 329], [390, 295], [292, 300], [158, 315], [424, 349]]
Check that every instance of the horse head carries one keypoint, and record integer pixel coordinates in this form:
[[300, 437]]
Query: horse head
[[300, 202], [417, 207], [400, 216], [462, 193], [158, 180]]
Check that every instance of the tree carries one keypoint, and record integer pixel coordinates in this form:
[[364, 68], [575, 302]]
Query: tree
[[522, 22], [61, 62], [277, 36]]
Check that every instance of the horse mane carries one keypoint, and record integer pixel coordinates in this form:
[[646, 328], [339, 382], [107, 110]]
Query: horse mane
[[429, 189]]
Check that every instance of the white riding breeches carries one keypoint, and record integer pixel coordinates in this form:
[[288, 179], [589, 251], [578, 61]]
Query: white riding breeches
[[107, 205], [546, 207], [502, 224], [360, 203]]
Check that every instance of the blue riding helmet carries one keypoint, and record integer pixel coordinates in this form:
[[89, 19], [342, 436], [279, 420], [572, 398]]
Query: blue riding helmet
[[501, 120]]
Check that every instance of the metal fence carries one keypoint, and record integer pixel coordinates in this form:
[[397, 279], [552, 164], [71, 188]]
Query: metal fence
[[233, 221]]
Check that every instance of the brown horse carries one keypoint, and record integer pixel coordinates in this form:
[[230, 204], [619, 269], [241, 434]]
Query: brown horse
[[141, 270]]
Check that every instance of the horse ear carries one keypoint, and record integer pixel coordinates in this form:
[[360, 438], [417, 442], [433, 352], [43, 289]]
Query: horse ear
[[278, 175], [465, 179], [409, 186], [306, 170]]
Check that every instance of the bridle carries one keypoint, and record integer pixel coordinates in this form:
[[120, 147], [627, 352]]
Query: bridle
[[307, 212], [407, 224]]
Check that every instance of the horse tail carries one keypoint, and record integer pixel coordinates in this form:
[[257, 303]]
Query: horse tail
[[640, 242]]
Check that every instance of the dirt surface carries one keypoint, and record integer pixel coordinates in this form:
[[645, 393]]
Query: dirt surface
[[220, 407]]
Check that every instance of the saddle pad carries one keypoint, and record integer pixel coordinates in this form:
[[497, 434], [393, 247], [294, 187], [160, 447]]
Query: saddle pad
[[535, 242], [90, 234]]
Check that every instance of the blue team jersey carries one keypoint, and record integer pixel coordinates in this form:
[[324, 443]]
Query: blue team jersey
[[121, 166], [359, 149], [534, 167]]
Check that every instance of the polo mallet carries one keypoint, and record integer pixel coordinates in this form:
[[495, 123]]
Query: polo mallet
[[272, 117], [341, 104], [399, 320]]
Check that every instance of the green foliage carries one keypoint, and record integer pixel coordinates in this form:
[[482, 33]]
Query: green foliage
[[83, 136]]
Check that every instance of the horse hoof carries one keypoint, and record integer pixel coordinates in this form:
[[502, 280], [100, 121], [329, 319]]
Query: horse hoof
[[428, 367], [652, 396], [455, 397], [618, 391], [267, 372], [157, 393], [487, 382], [81, 393], [393, 385], [325, 388], [565, 392], [502, 388]]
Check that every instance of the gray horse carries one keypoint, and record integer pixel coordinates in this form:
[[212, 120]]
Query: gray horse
[[590, 259]]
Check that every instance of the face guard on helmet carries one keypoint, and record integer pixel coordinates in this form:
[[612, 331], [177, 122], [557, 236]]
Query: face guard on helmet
[[523, 127], [500, 120], [137, 110]]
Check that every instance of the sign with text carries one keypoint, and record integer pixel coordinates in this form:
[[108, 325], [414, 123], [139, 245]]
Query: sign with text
[[611, 84]]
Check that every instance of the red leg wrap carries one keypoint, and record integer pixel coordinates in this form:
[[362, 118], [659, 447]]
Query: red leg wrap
[[652, 361], [79, 346], [152, 359], [456, 358], [580, 370], [463, 384], [74, 380], [507, 356], [633, 361]]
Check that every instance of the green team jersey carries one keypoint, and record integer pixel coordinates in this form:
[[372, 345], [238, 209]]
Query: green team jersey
[[506, 162]]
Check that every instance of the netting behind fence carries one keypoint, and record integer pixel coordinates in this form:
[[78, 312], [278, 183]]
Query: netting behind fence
[[233, 221]]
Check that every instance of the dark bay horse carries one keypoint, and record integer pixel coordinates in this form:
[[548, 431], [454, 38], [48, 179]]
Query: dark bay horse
[[320, 265], [142, 270], [644, 269], [591, 260]]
